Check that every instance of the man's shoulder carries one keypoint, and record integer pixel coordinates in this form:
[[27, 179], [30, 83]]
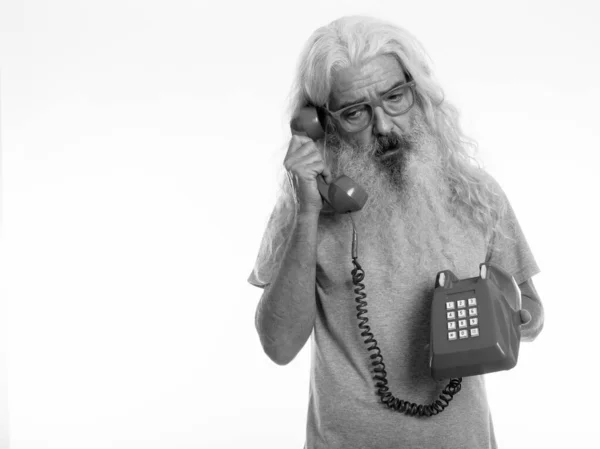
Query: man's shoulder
[[487, 178], [491, 184]]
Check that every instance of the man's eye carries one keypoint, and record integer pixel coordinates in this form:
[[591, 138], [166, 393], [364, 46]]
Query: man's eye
[[395, 97], [354, 114]]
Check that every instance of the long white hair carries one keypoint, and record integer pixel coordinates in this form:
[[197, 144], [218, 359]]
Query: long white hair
[[353, 40]]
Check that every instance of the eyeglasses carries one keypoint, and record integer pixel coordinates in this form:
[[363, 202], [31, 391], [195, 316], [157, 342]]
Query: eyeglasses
[[358, 117]]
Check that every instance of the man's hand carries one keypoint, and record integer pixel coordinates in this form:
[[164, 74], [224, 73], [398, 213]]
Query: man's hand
[[304, 162], [525, 316]]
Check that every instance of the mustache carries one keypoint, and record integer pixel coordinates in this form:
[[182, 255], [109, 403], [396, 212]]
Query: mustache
[[390, 142]]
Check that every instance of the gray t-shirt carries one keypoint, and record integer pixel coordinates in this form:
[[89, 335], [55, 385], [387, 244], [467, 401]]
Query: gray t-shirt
[[344, 410]]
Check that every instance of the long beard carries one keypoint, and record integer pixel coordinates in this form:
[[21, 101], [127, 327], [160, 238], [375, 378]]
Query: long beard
[[408, 192]]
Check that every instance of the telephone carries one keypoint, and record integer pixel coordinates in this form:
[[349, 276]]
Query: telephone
[[343, 195], [475, 322]]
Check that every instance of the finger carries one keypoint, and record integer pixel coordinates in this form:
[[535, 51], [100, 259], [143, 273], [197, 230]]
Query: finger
[[525, 316], [316, 167], [302, 138], [327, 174], [302, 155], [299, 161], [297, 142], [307, 152]]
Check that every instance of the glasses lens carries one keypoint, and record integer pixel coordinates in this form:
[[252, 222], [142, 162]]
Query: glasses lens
[[398, 101], [356, 118]]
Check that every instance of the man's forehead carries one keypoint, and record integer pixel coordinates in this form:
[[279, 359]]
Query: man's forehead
[[379, 71]]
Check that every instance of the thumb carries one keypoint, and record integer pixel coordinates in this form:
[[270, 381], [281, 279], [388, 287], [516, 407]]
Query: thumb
[[525, 316], [327, 175]]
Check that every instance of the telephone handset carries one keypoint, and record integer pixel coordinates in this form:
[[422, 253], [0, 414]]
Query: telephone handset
[[343, 195]]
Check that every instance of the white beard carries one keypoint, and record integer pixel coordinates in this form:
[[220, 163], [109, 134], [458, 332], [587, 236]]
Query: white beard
[[408, 206]]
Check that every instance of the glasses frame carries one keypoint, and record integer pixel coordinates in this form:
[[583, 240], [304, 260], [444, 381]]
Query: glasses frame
[[373, 104]]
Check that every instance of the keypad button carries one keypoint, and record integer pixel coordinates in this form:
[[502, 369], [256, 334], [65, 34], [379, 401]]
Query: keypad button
[[472, 302], [461, 304], [451, 335], [474, 332], [462, 313], [451, 315], [473, 321], [462, 323], [473, 311], [451, 325], [450, 305], [463, 334]]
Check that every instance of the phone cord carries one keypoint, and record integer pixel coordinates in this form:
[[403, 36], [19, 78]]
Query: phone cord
[[399, 405]]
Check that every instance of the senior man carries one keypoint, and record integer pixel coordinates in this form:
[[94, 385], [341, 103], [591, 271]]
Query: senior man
[[431, 208]]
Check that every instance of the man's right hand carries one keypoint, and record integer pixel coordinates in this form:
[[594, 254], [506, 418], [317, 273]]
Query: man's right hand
[[304, 162]]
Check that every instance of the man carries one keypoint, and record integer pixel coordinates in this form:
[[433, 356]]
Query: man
[[430, 208]]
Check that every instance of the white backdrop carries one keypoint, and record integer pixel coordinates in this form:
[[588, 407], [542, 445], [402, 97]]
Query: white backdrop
[[141, 141]]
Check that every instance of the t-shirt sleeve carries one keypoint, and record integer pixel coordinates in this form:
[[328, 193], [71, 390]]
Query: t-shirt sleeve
[[272, 246], [508, 247]]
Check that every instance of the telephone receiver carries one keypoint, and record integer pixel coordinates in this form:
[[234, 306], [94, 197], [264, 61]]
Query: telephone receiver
[[343, 194]]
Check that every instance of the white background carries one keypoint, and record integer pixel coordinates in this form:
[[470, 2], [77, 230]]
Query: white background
[[140, 146]]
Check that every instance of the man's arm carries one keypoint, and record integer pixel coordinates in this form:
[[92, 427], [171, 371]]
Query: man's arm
[[286, 312], [532, 303]]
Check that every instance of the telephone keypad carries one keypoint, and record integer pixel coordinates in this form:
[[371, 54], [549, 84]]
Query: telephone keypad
[[467, 327]]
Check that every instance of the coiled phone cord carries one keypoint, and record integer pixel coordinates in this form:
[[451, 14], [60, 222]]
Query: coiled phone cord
[[399, 405]]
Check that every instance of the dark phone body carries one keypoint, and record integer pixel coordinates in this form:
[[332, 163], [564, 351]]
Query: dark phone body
[[495, 345]]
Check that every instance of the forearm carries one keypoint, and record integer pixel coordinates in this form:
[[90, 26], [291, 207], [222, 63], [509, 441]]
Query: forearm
[[286, 311]]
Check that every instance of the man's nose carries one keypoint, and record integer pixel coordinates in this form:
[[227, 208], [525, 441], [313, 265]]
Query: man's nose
[[382, 123]]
